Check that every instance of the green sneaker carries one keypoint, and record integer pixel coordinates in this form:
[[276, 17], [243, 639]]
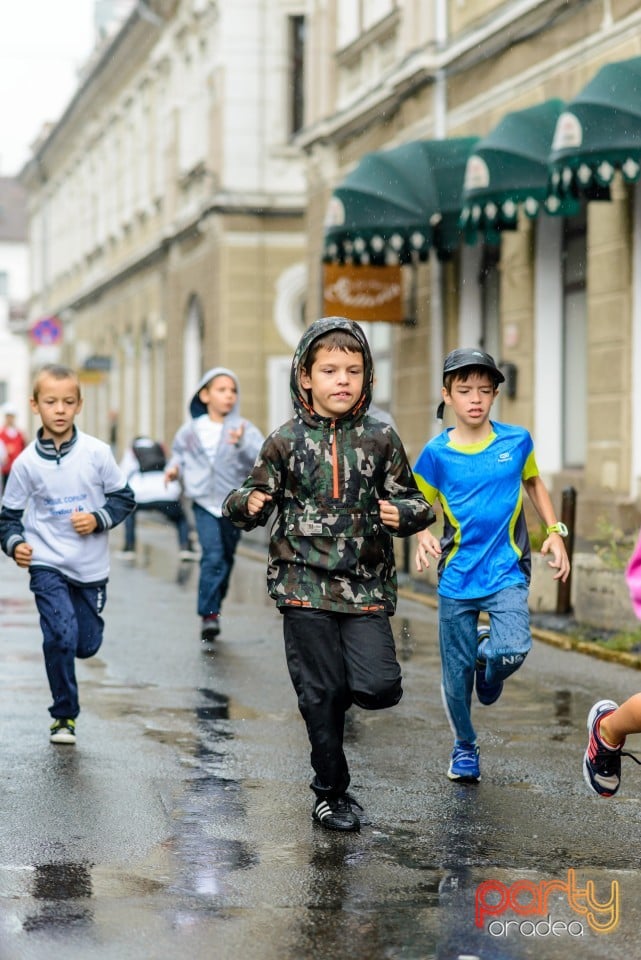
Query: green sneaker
[[62, 731]]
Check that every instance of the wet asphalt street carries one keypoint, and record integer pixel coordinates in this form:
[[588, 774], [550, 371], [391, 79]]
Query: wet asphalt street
[[179, 826]]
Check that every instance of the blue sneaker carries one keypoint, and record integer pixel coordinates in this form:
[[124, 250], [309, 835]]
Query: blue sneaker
[[486, 692], [464, 763]]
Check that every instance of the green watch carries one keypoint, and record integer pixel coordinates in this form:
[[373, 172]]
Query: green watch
[[559, 528]]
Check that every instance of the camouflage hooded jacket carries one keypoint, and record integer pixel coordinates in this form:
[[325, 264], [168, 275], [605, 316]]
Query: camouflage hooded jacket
[[328, 548]]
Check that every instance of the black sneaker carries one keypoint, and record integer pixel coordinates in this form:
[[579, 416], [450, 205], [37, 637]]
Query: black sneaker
[[335, 813], [209, 629], [487, 693], [62, 731]]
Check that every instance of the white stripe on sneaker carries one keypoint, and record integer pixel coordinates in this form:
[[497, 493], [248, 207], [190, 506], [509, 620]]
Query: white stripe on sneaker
[[323, 810]]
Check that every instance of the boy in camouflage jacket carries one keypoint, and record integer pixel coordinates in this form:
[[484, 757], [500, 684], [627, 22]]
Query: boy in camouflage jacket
[[342, 485]]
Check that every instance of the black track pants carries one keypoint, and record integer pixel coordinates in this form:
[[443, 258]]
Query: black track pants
[[334, 660]]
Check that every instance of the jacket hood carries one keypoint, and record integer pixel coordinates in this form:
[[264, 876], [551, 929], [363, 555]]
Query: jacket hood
[[302, 406], [197, 408]]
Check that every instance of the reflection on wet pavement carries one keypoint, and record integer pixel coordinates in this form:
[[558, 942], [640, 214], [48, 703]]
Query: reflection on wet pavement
[[62, 887], [210, 800]]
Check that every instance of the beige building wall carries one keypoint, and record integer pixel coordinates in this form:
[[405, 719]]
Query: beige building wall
[[495, 58]]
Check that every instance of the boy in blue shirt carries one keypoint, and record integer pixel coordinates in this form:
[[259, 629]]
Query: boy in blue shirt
[[477, 471]]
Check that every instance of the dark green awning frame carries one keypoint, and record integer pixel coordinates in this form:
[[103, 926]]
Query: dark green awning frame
[[509, 171], [599, 133], [398, 204]]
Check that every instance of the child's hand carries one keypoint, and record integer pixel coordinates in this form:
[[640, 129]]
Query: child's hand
[[171, 474], [83, 523], [22, 555], [560, 560], [236, 434], [427, 544], [389, 514], [256, 501]]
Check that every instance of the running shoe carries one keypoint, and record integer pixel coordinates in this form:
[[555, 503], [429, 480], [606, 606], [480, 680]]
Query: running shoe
[[464, 763], [62, 731], [336, 813], [601, 763], [487, 693], [210, 628]]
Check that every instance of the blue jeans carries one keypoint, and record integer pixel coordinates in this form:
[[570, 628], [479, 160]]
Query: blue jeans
[[218, 541], [509, 643], [71, 627]]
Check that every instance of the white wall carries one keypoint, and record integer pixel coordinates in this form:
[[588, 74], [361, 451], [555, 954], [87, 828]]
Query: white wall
[[14, 354]]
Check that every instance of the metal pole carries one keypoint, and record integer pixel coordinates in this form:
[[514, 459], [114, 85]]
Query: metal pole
[[568, 516]]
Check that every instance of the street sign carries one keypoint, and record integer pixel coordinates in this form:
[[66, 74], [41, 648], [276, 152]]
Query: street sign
[[46, 331]]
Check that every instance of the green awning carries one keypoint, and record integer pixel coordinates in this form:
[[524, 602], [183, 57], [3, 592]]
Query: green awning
[[509, 170], [397, 204], [598, 133]]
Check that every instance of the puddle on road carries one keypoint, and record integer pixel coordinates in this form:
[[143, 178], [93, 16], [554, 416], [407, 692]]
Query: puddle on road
[[209, 806], [60, 891]]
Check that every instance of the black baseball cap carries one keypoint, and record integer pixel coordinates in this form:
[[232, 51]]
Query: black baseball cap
[[468, 357], [471, 357]]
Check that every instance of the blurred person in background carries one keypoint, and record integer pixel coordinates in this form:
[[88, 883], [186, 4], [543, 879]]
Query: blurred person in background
[[12, 441]]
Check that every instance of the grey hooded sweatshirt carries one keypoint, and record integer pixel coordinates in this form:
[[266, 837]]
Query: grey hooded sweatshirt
[[208, 480]]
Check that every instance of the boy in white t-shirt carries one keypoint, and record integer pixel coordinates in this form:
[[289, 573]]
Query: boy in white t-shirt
[[64, 493], [211, 454]]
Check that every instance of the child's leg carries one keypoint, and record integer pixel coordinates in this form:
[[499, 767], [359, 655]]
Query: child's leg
[[458, 645], [178, 516], [315, 662], [615, 727], [230, 537], [88, 603], [172, 509], [218, 545], [60, 639], [130, 530], [510, 639], [372, 670]]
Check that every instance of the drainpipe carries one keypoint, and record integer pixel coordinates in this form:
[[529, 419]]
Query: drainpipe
[[437, 313]]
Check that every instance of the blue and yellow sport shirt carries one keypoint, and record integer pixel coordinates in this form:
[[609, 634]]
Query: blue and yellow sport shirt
[[485, 540]]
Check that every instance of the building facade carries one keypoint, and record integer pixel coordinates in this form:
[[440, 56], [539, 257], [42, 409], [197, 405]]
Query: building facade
[[557, 296], [14, 290], [166, 212]]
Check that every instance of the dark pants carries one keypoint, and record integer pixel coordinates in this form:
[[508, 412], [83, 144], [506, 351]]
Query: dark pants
[[218, 541], [71, 627], [172, 509], [335, 660]]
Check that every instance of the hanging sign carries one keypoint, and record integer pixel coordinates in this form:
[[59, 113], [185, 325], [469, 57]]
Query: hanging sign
[[363, 292]]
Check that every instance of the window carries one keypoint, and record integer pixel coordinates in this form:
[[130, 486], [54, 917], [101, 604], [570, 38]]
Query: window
[[354, 17], [296, 79], [4, 283]]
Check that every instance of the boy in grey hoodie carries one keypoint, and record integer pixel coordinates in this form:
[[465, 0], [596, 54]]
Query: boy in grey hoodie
[[211, 454]]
